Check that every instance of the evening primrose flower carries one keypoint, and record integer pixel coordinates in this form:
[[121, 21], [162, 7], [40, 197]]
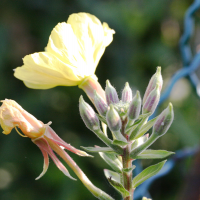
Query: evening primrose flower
[[12, 115], [71, 56]]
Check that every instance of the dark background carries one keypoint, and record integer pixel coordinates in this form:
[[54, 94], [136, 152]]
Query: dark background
[[147, 35]]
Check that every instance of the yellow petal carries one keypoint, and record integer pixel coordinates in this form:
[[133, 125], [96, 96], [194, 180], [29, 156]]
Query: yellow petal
[[46, 69], [64, 45], [92, 36], [72, 53]]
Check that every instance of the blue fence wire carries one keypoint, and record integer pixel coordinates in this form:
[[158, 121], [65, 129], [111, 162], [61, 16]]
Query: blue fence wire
[[190, 64]]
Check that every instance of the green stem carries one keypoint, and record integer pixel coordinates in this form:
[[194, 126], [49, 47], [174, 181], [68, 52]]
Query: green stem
[[127, 163]]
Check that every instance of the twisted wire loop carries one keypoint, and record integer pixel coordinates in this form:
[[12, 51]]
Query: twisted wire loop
[[190, 62], [190, 65]]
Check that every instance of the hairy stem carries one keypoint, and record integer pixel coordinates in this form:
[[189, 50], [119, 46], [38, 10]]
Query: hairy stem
[[127, 163]]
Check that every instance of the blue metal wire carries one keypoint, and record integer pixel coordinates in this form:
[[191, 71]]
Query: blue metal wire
[[190, 62], [190, 65]]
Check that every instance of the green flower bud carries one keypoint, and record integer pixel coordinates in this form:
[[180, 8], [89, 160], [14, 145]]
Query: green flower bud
[[100, 104], [127, 94], [135, 107], [164, 121], [88, 115], [155, 79], [113, 119], [152, 101], [111, 94]]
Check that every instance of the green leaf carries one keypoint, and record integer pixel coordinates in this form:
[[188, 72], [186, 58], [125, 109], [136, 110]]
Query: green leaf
[[139, 141], [110, 174], [147, 173], [130, 128], [119, 187], [112, 160], [98, 149], [127, 170], [135, 133], [146, 127], [154, 154], [120, 143]]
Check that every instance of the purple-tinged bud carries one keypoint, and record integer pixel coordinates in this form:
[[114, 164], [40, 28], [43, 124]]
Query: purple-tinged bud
[[135, 107], [88, 115], [127, 94], [111, 94], [164, 121], [155, 79], [113, 119], [100, 104], [151, 101]]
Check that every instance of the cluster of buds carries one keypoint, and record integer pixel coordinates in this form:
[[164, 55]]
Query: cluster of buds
[[127, 120], [123, 116]]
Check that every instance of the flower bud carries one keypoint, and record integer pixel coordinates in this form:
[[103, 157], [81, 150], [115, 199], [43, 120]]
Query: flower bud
[[152, 101], [113, 119], [88, 115], [100, 104], [111, 94], [155, 79], [164, 121], [127, 93], [135, 107]]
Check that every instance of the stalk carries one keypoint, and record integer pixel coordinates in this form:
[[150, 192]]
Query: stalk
[[127, 163]]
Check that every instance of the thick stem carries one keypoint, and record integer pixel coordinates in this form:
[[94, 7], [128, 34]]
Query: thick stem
[[88, 184], [127, 163]]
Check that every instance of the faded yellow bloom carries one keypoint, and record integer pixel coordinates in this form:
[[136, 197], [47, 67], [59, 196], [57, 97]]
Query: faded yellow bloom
[[12, 115], [72, 54]]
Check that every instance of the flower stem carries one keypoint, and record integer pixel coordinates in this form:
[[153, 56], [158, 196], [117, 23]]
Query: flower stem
[[127, 163], [88, 184]]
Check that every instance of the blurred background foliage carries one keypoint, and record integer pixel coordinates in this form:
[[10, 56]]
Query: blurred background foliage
[[147, 35]]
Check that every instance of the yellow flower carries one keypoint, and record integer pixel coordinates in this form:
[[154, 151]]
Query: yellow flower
[[12, 115], [72, 54]]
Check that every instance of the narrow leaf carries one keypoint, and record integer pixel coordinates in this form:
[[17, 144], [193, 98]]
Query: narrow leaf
[[139, 141], [130, 128], [98, 149], [154, 154], [112, 175], [147, 173], [134, 134], [127, 170], [120, 143], [119, 187], [112, 160], [146, 127]]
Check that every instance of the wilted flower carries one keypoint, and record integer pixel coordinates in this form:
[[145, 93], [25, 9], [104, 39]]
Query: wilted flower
[[12, 115], [72, 54]]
